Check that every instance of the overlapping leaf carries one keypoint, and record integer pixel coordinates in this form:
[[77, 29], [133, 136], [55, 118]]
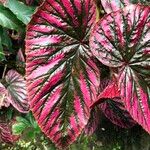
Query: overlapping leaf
[[62, 79], [16, 91], [114, 5], [122, 39]]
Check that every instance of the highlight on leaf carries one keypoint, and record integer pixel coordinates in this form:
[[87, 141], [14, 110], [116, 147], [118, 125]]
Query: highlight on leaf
[[123, 42], [62, 78], [16, 91]]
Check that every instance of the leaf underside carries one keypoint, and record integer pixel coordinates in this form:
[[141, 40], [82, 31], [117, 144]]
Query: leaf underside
[[123, 42], [62, 79]]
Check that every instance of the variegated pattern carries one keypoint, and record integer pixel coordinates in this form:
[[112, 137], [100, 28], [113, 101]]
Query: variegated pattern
[[122, 40], [114, 5], [62, 79], [16, 91]]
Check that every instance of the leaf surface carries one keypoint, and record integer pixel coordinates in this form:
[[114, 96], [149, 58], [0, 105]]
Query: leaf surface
[[123, 42], [62, 79]]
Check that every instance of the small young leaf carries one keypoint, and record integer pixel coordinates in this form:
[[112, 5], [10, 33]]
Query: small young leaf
[[18, 128], [22, 11], [23, 120]]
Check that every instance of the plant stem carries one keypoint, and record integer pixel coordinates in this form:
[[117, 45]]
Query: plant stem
[[4, 71]]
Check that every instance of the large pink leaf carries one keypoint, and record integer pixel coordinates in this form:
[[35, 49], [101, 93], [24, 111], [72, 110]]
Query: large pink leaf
[[114, 5], [16, 91], [122, 40], [62, 79], [3, 97]]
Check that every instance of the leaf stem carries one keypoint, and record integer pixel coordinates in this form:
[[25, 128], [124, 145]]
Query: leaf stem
[[4, 71]]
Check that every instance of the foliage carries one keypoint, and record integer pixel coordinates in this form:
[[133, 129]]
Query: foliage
[[70, 62]]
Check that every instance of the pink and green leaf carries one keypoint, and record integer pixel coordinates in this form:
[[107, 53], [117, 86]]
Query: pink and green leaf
[[62, 78], [16, 91], [122, 40]]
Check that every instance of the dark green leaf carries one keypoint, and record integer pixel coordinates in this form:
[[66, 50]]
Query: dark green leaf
[[8, 20], [22, 12]]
